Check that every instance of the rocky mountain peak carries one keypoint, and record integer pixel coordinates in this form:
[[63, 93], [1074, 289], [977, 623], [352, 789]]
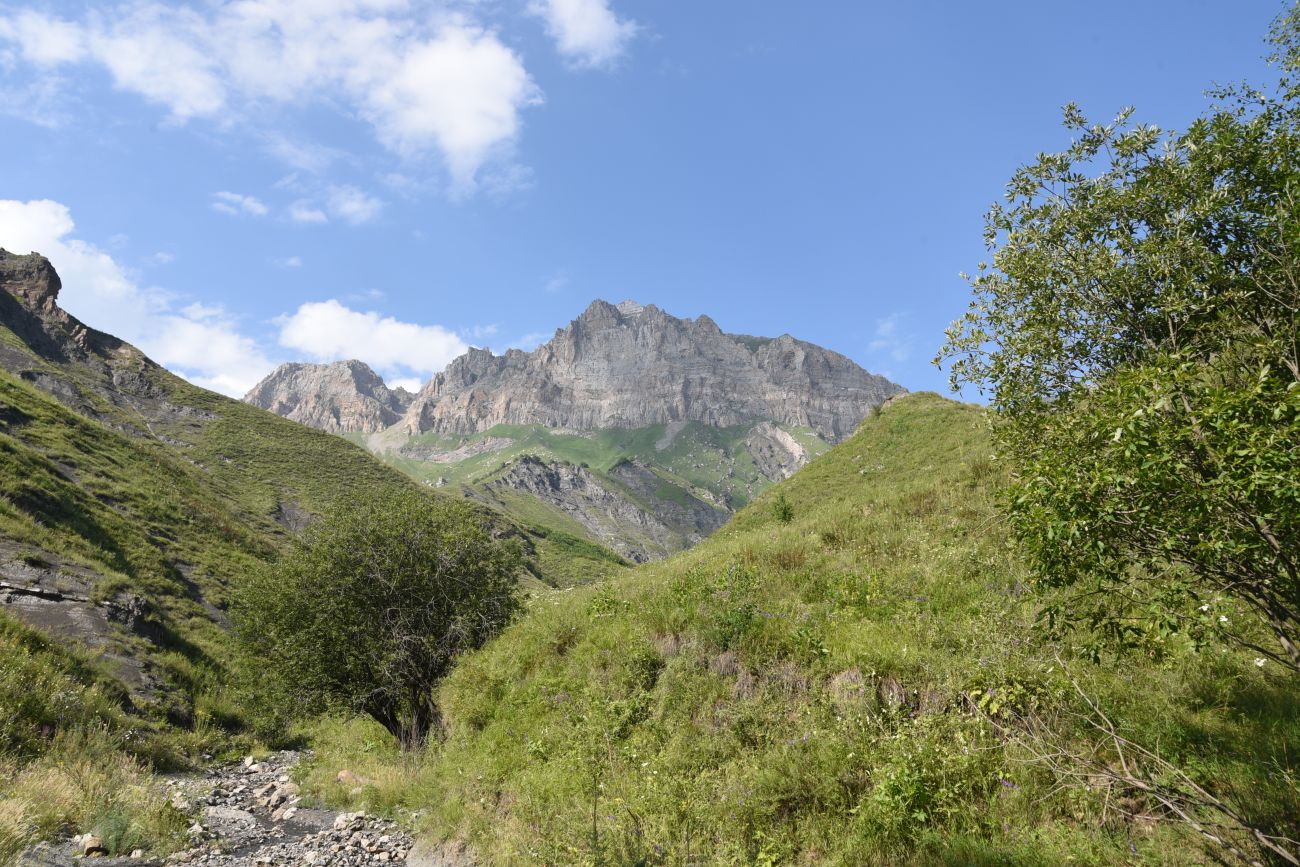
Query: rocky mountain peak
[[632, 365], [29, 307], [337, 397], [31, 279]]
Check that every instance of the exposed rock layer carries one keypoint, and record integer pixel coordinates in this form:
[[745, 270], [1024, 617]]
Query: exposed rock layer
[[630, 366], [339, 397], [616, 517]]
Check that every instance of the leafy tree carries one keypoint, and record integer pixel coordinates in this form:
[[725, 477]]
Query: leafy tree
[[1138, 333], [369, 608]]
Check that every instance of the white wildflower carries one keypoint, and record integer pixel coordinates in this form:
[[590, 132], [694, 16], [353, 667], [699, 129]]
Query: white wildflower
[[1259, 662]]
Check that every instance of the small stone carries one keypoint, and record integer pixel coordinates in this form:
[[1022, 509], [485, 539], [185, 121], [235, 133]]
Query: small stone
[[137, 853], [248, 761], [310, 857], [92, 846]]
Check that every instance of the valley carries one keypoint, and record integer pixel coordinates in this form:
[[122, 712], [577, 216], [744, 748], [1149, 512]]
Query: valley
[[630, 428]]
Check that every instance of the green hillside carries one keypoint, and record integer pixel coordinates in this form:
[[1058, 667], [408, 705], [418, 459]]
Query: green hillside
[[846, 687], [130, 503]]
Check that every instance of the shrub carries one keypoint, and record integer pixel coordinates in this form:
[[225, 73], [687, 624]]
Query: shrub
[[369, 608]]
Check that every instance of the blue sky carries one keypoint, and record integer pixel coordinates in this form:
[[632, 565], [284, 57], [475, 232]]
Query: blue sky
[[232, 185]]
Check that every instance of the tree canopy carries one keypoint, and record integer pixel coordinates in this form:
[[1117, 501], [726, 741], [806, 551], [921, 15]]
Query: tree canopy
[[1138, 334], [369, 608]]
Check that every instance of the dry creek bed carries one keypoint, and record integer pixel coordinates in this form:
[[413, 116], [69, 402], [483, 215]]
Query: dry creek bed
[[248, 814]]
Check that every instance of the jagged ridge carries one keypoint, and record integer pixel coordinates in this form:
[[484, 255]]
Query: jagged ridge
[[631, 366]]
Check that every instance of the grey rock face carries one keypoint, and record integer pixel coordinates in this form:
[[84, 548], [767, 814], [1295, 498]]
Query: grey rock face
[[31, 279], [630, 366], [340, 397], [612, 515]]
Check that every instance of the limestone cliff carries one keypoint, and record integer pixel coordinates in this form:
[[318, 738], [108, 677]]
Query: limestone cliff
[[341, 397], [630, 366]]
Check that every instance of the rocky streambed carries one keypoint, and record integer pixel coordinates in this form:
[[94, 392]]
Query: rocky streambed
[[250, 814]]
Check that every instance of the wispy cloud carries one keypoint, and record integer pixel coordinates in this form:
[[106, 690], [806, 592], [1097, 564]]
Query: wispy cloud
[[303, 211], [237, 204], [890, 341], [556, 282], [532, 340], [353, 205]]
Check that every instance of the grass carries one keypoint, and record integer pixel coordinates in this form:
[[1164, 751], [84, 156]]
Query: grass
[[832, 689], [86, 784]]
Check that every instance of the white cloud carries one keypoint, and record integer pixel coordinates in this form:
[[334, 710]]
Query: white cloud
[[200, 342], [303, 211], [887, 340], [586, 32], [410, 383], [425, 82], [353, 205], [237, 203], [290, 262], [329, 331]]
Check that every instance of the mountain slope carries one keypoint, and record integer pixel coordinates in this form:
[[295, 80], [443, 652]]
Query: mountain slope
[[131, 499], [844, 687], [642, 430]]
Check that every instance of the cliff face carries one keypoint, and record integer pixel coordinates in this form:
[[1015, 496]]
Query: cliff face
[[340, 397], [618, 509], [629, 366]]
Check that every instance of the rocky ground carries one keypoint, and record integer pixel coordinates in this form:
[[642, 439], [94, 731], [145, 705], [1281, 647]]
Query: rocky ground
[[250, 814]]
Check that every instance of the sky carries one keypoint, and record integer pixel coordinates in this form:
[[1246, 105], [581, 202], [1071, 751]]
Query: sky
[[232, 185]]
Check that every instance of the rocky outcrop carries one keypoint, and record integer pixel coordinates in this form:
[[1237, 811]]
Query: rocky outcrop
[[630, 366], [29, 292], [776, 453], [340, 397], [611, 515]]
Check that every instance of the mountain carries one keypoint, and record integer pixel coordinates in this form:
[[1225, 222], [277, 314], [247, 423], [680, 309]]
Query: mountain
[[634, 428], [130, 499], [631, 366], [343, 396]]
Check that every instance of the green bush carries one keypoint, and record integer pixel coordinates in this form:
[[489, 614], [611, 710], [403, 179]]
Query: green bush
[[369, 609]]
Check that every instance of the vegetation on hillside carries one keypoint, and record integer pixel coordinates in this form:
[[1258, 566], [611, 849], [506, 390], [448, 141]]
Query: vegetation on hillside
[[1138, 330], [838, 688]]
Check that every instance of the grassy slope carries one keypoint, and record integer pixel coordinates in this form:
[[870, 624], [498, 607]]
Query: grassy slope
[[803, 693], [175, 516]]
